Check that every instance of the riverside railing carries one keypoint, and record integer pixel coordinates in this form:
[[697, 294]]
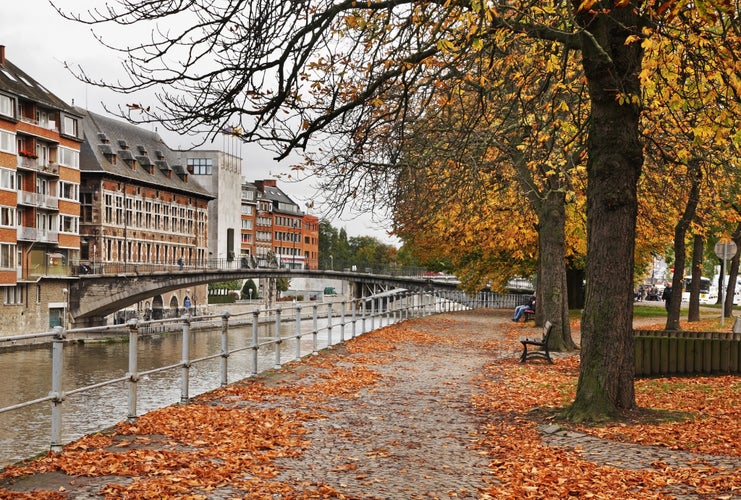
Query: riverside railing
[[346, 319]]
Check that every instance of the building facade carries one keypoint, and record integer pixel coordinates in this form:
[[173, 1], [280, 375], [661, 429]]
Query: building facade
[[275, 232], [40, 139], [140, 212], [220, 174]]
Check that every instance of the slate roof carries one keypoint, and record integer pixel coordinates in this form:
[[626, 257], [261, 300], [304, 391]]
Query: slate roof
[[15, 81], [105, 136]]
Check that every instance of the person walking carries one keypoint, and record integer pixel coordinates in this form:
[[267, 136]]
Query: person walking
[[667, 295]]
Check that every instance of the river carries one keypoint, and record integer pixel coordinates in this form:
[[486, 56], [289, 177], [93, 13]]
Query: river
[[25, 375]]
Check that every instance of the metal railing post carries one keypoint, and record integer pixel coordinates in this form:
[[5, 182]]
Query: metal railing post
[[373, 313], [315, 331], [185, 362], [224, 348], [298, 332], [329, 325], [133, 374], [277, 339], [342, 322], [57, 394], [362, 314], [354, 305], [255, 340]]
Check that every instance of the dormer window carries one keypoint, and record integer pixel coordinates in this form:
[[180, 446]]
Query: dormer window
[[122, 144], [7, 106], [70, 126]]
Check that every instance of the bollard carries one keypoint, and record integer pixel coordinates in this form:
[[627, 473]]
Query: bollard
[[224, 348], [255, 340], [56, 394], [185, 361], [276, 339], [298, 332], [133, 374]]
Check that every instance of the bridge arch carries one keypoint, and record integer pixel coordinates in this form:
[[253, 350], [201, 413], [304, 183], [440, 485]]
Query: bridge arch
[[93, 297]]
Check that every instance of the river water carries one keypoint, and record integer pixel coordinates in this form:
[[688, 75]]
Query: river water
[[25, 375]]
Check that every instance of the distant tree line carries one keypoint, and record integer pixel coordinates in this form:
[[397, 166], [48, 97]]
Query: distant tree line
[[338, 251]]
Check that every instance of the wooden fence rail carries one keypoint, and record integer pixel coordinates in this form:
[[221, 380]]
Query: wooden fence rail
[[660, 353]]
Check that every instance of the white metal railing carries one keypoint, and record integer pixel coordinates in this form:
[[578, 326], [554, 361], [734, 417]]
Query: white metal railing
[[345, 318]]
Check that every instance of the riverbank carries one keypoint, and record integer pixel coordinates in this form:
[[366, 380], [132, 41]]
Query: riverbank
[[436, 407]]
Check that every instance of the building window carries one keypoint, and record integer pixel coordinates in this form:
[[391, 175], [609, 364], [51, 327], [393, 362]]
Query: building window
[[68, 224], [69, 126], [7, 142], [7, 106], [7, 179], [7, 216], [69, 157], [13, 294], [199, 166], [69, 191], [7, 256]]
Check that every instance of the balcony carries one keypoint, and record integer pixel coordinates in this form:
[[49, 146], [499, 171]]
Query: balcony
[[46, 125], [37, 234], [38, 200], [33, 164]]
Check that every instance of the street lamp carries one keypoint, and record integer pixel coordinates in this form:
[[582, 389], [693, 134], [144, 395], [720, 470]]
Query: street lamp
[[250, 292]]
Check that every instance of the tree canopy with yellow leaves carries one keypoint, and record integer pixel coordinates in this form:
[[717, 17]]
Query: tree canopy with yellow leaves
[[346, 78]]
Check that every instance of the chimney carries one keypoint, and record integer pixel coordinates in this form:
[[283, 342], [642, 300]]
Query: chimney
[[2, 55]]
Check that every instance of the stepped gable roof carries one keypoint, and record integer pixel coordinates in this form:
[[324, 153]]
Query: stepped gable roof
[[15, 81], [160, 166]]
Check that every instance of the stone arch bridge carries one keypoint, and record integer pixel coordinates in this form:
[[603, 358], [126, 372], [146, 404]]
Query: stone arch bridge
[[92, 297]]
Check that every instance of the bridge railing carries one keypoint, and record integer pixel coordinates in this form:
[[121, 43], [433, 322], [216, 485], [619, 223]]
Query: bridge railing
[[115, 268], [324, 324]]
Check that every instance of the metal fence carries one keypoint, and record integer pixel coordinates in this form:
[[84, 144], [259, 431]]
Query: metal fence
[[341, 320]]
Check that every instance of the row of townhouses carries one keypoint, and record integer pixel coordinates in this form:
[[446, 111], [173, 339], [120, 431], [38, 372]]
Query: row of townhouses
[[82, 193]]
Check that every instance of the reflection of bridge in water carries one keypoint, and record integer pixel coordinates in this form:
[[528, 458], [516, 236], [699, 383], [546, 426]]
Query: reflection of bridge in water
[[94, 296]]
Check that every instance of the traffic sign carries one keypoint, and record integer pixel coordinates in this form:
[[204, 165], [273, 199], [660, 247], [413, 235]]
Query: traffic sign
[[725, 249]]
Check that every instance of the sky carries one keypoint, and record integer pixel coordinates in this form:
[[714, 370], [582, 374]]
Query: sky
[[39, 41]]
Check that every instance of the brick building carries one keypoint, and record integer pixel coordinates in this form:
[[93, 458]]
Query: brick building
[[139, 209], [40, 140]]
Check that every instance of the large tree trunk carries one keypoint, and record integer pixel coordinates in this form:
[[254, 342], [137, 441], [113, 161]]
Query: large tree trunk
[[732, 275], [613, 167], [552, 289], [680, 234], [698, 248]]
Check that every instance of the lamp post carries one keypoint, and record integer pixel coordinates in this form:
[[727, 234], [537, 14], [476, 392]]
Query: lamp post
[[250, 292], [293, 234]]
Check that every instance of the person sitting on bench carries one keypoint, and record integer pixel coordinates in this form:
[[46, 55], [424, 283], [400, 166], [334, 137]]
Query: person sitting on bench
[[520, 310]]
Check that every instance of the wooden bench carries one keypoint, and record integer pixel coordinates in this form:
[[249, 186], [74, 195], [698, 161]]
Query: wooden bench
[[543, 353], [529, 315]]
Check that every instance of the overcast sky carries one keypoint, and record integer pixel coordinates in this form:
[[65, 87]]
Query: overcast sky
[[39, 41]]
